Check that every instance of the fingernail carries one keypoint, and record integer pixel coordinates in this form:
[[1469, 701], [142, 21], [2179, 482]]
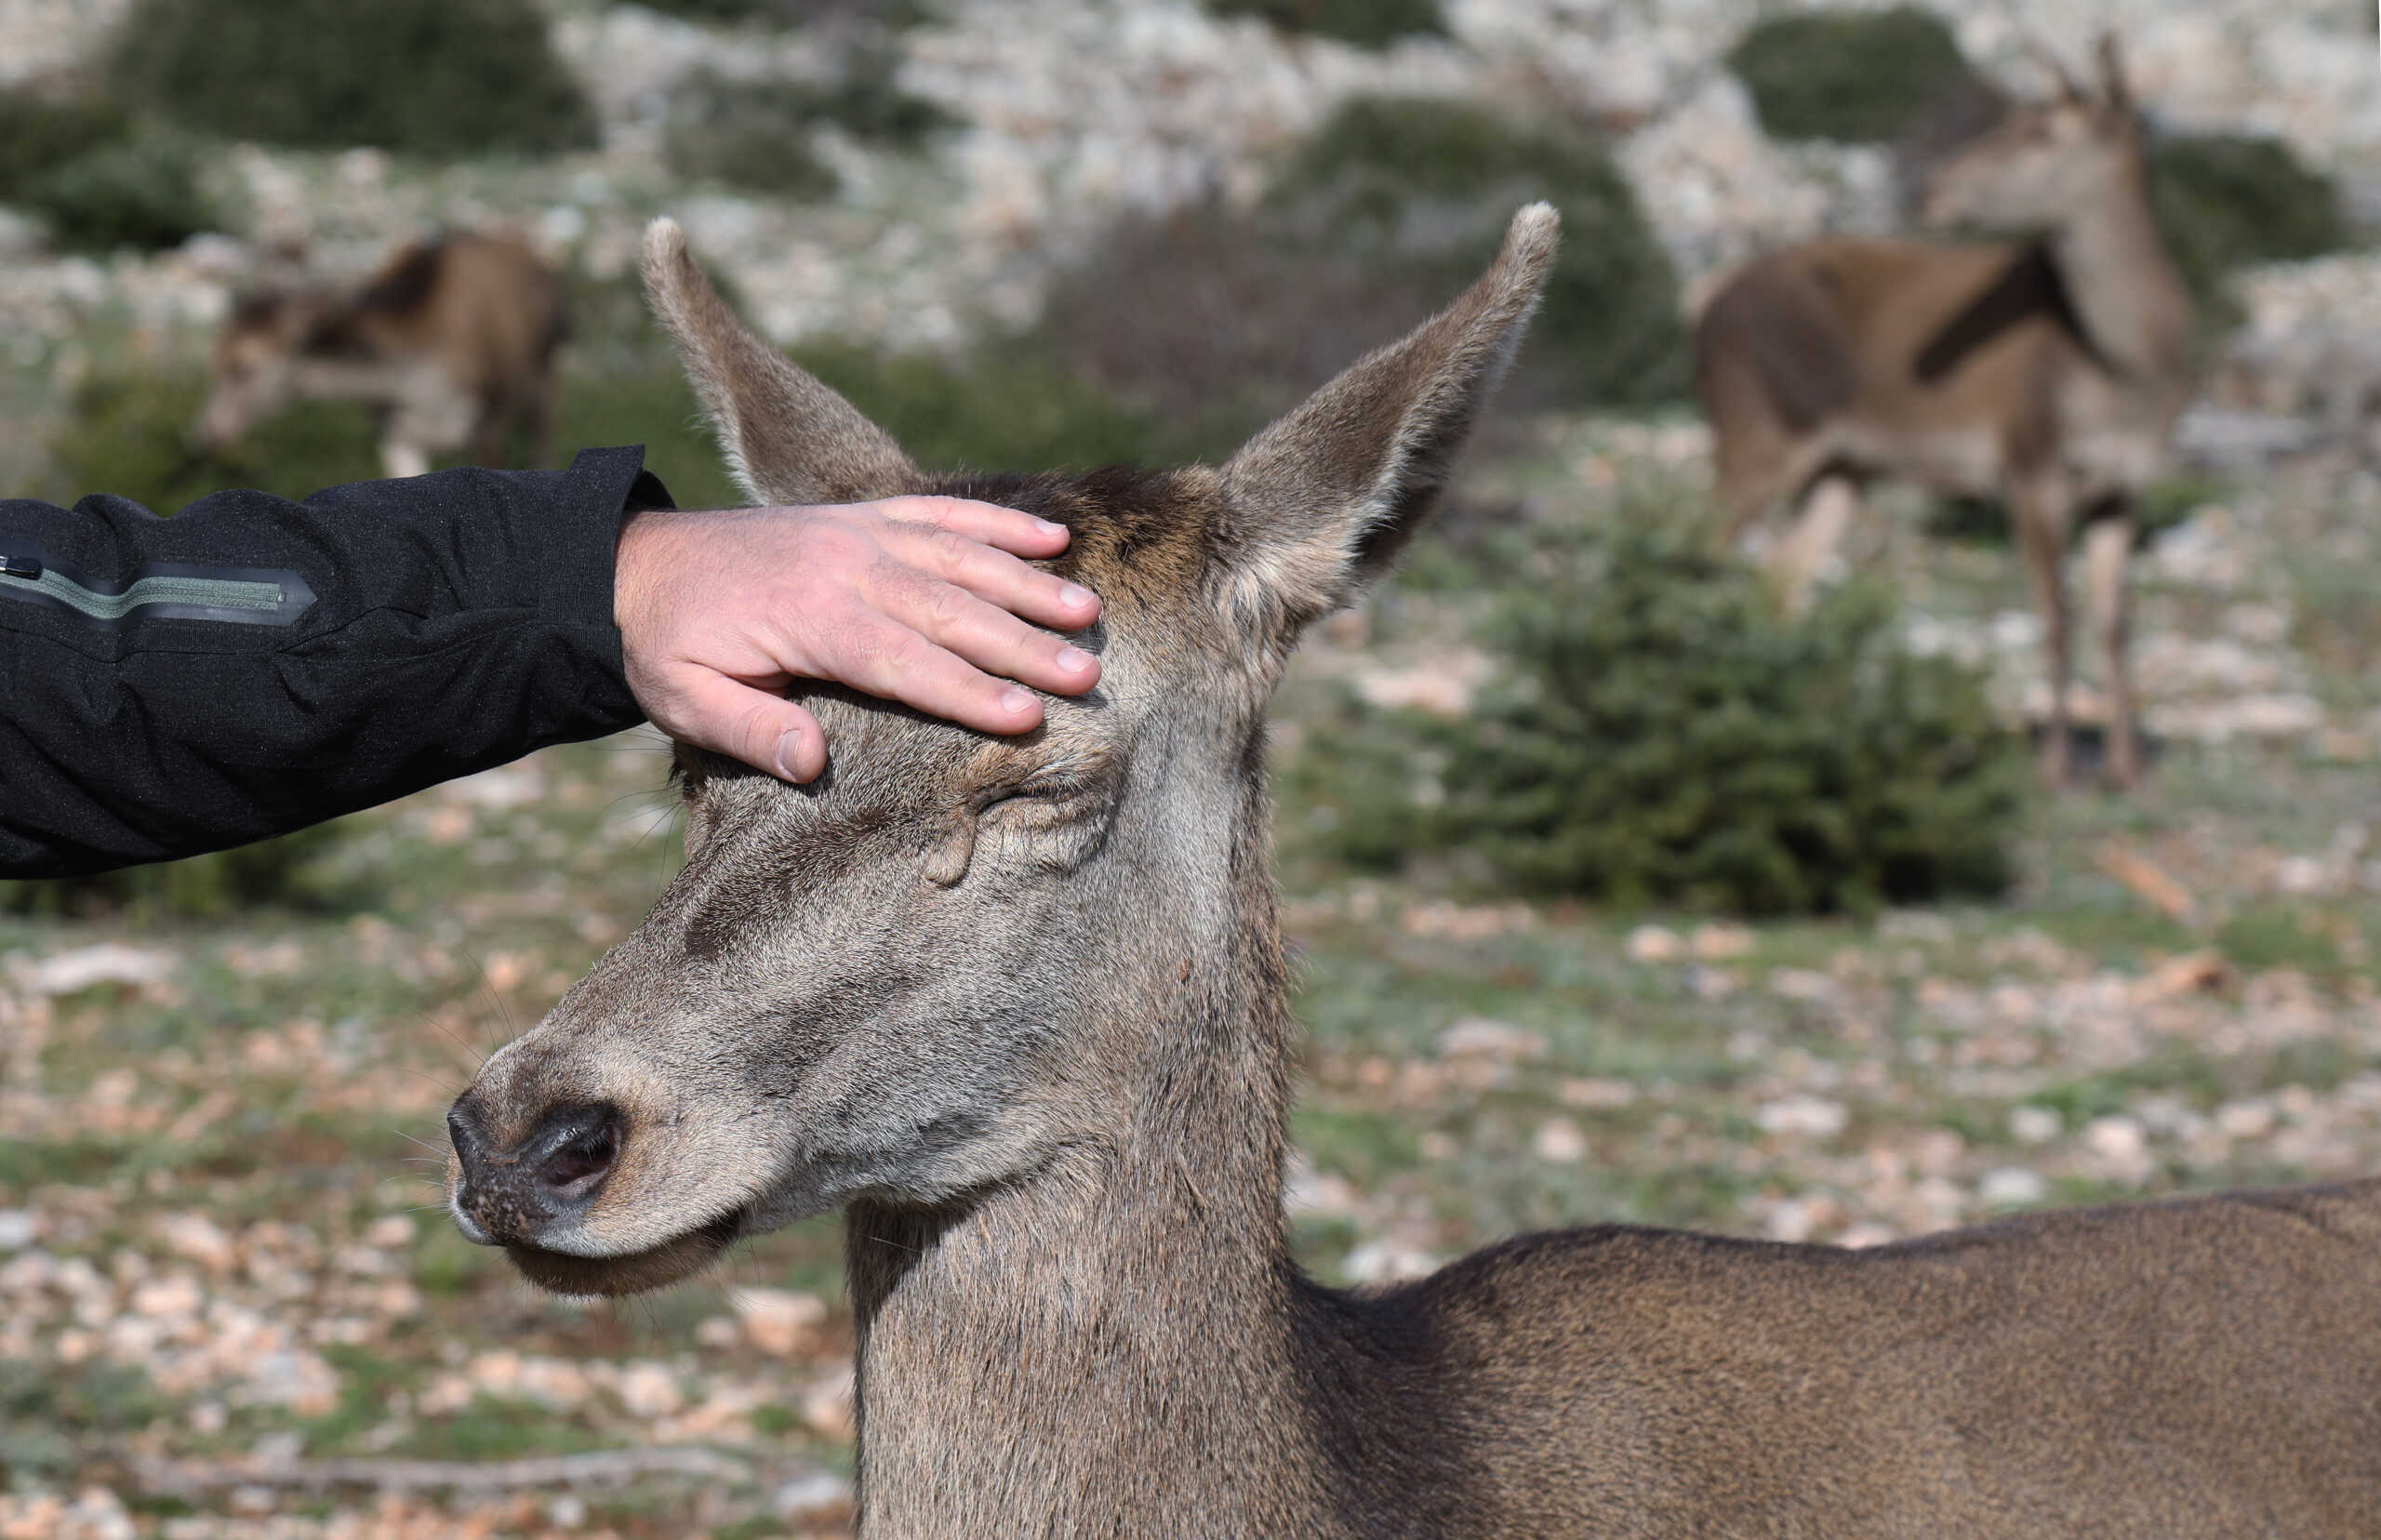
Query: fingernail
[[1014, 702], [1074, 595], [1073, 659], [785, 754], [1051, 526]]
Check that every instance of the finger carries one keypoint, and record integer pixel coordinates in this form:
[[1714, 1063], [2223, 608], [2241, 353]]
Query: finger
[[992, 639], [999, 578], [989, 522], [766, 731], [885, 657]]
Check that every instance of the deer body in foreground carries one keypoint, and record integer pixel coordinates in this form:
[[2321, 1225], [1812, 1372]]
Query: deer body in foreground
[[452, 341], [2047, 373], [1019, 1008]]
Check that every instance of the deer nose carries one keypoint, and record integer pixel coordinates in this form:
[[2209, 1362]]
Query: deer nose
[[548, 1176]]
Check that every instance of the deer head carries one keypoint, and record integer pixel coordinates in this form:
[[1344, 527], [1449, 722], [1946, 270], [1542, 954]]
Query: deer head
[[2046, 163], [924, 974], [253, 370]]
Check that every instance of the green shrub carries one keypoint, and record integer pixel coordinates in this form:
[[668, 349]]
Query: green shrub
[[2226, 201], [890, 15], [147, 191], [1850, 75], [125, 435], [431, 78], [1370, 24], [747, 133], [1424, 189], [285, 870], [38, 134], [1002, 407], [756, 134], [1661, 734]]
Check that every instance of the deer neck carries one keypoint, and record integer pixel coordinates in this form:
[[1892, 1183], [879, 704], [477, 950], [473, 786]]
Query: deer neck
[[1112, 1339], [2126, 291]]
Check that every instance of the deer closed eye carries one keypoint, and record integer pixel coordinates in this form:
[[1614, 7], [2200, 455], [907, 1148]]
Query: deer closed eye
[[1044, 826]]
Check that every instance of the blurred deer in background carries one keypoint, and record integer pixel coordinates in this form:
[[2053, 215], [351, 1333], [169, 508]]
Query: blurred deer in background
[[453, 342], [2048, 373], [1019, 1007]]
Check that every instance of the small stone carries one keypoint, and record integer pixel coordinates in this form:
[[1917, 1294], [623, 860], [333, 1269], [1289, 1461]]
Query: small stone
[[818, 1494], [827, 1405], [1559, 1141], [1813, 1117], [1482, 1038], [567, 1512], [2011, 1187], [649, 1390], [779, 1321], [389, 1232], [18, 1228], [2029, 1124], [1653, 943], [1716, 943]]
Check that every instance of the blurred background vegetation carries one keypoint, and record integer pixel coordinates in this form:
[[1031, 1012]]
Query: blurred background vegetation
[[1181, 334]]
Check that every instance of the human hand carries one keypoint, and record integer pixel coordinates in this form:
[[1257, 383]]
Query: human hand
[[915, 599]]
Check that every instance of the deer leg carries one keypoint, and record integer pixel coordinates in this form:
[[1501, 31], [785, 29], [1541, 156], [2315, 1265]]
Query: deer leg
[[1828, 511], [2040, 515], [2108, 546]]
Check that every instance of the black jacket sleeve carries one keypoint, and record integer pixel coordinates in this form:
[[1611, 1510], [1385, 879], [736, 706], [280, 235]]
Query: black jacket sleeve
[[251, 665]]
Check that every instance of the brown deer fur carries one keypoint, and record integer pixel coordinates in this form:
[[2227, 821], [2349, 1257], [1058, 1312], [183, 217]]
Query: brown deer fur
[[2048, 373], [1019, 1008], [453, 341]]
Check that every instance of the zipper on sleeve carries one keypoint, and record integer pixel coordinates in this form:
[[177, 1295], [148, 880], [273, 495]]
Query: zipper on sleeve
[[164, 590]]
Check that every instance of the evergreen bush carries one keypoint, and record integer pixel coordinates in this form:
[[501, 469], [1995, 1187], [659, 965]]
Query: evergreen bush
[[428, 78], [1368, 23], [147, 191], [2226, 201], [1850, 75], [37, 135], [282, 871], [756, 134], [1424, 188], [1663, 734]]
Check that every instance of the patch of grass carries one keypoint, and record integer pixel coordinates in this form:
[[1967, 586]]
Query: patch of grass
[[495, 1428], [1368, 23], [428, 77], [2159, 507], [2265, 935], [47, 1411], [1850, 75]]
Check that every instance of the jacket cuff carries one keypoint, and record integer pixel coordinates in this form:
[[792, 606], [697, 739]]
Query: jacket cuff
[[599, 492]]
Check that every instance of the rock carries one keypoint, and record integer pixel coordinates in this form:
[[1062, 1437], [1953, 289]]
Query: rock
[[1808, 1117], [1559, 1141], [1719, 943], [18, 1228], [819, 1494], [649, 1390], [827, 1405], [86, 967], [779, 1321], [2011, 1187], [1482, 1038], [1653, 943], [2033, 1125]]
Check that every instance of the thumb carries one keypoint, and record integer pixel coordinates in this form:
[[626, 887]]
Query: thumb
[[766, 731]]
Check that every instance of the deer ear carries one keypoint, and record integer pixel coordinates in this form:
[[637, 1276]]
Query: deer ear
[[1320, 503], [787, 438], [2112, 82]]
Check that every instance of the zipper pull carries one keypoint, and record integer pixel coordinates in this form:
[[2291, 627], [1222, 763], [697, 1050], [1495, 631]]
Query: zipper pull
[[20, 566]]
